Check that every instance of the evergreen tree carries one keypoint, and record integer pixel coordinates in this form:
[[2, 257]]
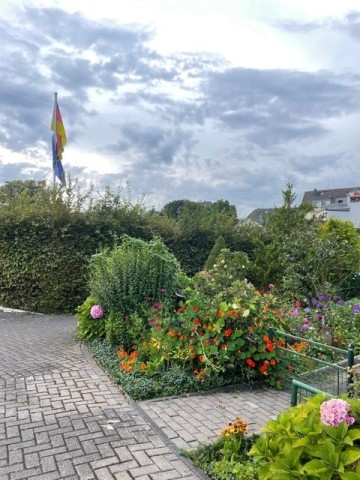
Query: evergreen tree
[[215, 252]]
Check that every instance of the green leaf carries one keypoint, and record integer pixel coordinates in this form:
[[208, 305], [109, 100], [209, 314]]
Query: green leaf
[[337, 433], [350, 456], [349, 476], [354, 433], [315, 468]]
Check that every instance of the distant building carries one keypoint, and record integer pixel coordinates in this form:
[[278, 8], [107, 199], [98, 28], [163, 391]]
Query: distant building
[[258, 215], [343, 203]]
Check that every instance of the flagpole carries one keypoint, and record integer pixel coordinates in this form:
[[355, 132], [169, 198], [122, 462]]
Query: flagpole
[[55, 132]]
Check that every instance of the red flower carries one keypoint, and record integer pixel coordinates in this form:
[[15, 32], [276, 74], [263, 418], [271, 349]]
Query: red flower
[[172, 332], [263, 367], [297, 304], [195, 308], [270, 346], [228, 332], [250, 362], [197, 322]]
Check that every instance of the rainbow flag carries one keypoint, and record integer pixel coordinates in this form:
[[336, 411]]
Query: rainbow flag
[[58, 142]]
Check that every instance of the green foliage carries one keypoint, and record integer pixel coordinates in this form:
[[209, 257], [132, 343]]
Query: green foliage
[[226, 279], [47, 236], [198, 224], [227, 458], [89, 328], [301, 254], [215, 252], [230, 339], [124, 278], [298, 445]]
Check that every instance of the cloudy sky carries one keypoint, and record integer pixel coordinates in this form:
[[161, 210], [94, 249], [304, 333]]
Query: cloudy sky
[[196, 99]]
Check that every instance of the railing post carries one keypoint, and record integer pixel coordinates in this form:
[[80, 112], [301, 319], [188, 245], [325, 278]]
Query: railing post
[[294, 394], [351, 361]]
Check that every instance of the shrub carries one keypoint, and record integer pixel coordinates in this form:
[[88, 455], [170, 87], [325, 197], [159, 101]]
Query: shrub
[[89, 326], [319, 439], [124, 278], [227, 458], [231, 340], [215, 252]]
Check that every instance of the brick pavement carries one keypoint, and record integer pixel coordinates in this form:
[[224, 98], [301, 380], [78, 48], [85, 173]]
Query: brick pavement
[[62, 418]]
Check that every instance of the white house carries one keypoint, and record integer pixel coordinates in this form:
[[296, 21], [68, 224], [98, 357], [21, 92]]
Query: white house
[[343, 203]]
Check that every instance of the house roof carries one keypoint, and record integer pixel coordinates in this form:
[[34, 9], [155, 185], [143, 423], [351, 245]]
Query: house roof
[[258, 214], [326, 194]]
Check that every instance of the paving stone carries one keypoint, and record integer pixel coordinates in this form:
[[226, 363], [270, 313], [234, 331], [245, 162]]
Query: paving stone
[[61, 418]]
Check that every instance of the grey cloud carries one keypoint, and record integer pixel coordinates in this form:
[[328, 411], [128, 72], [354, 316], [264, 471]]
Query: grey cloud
[[278, 105], [151, 145]]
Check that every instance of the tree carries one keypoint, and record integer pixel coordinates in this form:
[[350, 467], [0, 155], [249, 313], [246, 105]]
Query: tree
[[215, 252], [10, 190]]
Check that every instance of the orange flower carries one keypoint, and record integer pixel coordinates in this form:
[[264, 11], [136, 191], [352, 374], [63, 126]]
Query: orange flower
[[143, 366], [228, 332], [201, 358], [270, 346], [206, 341], [220, 313], [266, 338], [133, 355], [251, 329], [224, 346], [273, 362], [172, 332], [195, 372], [121, 353], [126, 367]]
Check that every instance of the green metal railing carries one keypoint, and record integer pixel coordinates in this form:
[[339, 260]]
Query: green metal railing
[[313, 366], [297, 387]]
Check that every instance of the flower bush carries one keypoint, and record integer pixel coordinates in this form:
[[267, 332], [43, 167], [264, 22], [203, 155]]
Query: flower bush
[[319, 439], [227, 458], [206, 341], [91, 320], [324, 319]]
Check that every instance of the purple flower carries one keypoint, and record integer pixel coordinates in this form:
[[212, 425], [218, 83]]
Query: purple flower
[[271, 286], [307, 310], [335, 411], [304, 326], [96, 311], [340, 302], [356, 308], [305, 320]]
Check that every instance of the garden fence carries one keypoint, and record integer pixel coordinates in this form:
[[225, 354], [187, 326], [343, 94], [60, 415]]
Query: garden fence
[[314, 367]]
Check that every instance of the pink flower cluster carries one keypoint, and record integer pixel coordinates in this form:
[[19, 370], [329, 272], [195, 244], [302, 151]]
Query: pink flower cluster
[[96, 311], [335, 411]]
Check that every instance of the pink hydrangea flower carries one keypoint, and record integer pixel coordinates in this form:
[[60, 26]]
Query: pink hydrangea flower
[[335, 411], [96, 311]]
